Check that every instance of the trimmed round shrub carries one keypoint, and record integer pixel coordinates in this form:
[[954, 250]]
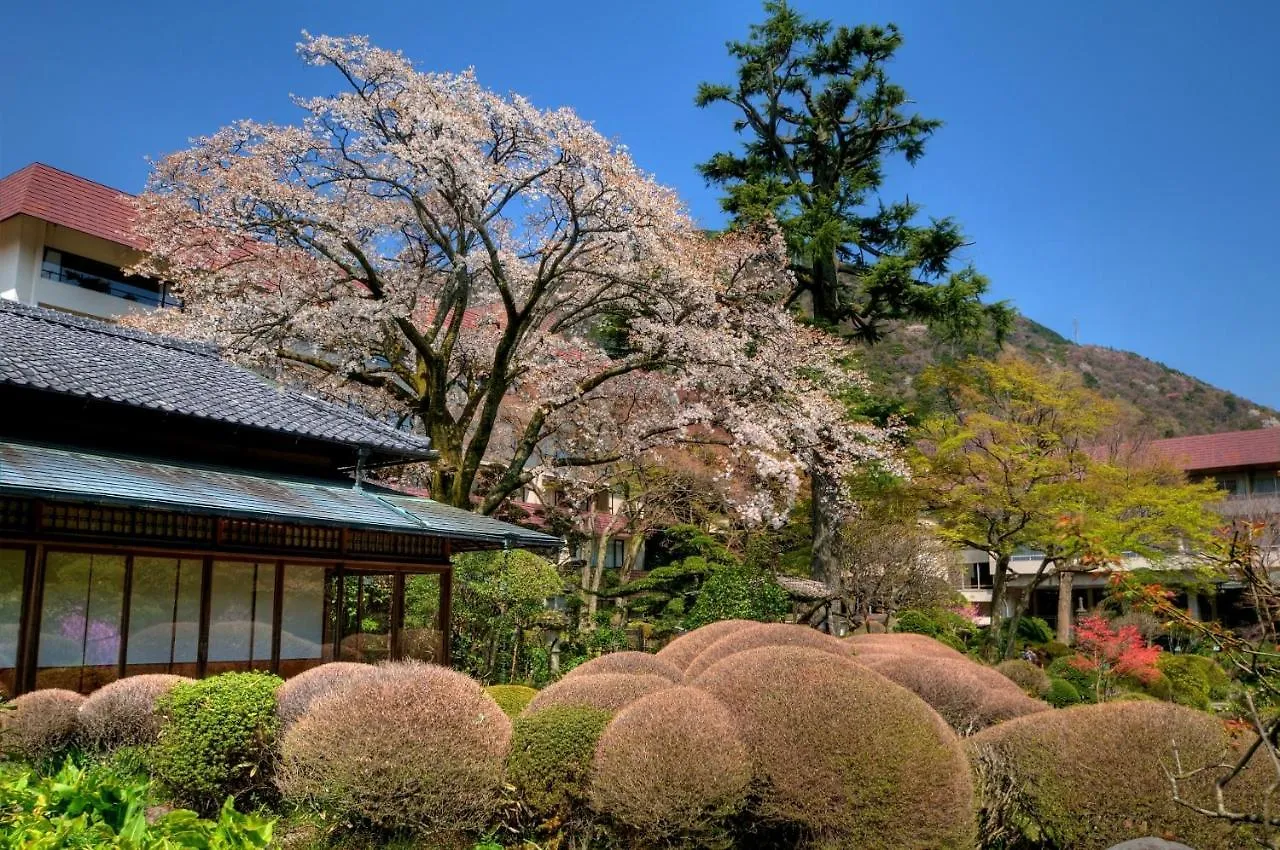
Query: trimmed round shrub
[[688, 646], [901, 643], [629, 662], [607, 691], [217, 740], [1193, 679], [122, 714], [1033, 681], [41, 726], [1084, 681], [969, 696], [842, 756], [419, 748], [512, 699], [550, 762], [1061, 693], [298, 694], [1054, 649], [671, 768], [1092, 776], [764, 634]]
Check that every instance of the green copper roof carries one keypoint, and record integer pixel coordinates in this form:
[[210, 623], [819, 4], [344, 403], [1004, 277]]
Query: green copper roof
[[37, 471]]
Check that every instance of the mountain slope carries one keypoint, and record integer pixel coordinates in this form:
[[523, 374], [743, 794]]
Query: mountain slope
[[1172, 402]]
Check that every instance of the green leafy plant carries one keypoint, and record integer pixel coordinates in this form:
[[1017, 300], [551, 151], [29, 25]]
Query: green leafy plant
[[550, 762], [1061, 693], [738, 592], [217, 739]]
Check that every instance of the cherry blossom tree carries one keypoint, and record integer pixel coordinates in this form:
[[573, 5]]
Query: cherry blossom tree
[[499, 277]]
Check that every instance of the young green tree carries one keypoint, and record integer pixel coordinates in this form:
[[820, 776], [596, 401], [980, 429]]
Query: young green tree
[[1015, 460], [820, 119], [498, 598]]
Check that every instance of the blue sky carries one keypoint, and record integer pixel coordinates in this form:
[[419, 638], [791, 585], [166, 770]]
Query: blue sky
[[1115, 164]]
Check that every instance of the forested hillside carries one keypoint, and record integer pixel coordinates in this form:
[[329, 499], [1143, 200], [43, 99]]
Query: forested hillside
[[1172, 402]]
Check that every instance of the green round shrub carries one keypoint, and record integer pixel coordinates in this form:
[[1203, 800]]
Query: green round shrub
[[512, 699], [300, 692], [739, 592], [418, 749], [629, 662], [217, 739], [1157, 687], [1033, 681], [1092, 776], [550, 760], [607, 691], [1061, 693], [842, 756], [122, 714], [1193, 679], [1084, 681], [685, 648], [1055, 649], [40, 727], [671, 769], [764, 634]]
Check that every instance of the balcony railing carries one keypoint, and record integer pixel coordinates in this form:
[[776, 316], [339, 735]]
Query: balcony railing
[[107, 286]]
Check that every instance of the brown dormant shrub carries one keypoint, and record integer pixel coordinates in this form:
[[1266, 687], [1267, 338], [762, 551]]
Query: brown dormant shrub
[[969, 696], [632, 663], [298, 694], [40, 726], [1090, 776], [764, 634], [842, 756], [122, 714], [685, 648], [606, 691], [901, 643], [671, 768], [1033, 681], [418, 748]]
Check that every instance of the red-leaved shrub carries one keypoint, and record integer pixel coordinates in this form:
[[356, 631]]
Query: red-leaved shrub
[[298, 694], [630, 662], [685, 648], [1092, 776], [40, 726], [969, 696], [671, 768], [606, 691], [122, 714], [901, 643], [843, 756], [417, 748], [764, 634]]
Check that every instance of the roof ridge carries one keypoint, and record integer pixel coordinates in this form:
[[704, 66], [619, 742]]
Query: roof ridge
[[58, 317], [36, 165]]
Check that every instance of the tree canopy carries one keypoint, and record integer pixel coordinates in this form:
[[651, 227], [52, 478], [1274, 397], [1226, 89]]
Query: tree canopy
[[820, 119]]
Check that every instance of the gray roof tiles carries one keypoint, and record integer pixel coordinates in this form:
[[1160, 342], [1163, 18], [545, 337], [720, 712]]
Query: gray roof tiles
[[56, 352]]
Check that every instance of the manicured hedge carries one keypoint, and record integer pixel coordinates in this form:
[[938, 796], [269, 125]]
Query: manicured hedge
[[764, 634], [122, 714], [299, 693], [901, 643], [551, 756], [631, 663], [512, 699], [1091, 776], [607, 691], [1033, 681], [41, 726], [685, 648]]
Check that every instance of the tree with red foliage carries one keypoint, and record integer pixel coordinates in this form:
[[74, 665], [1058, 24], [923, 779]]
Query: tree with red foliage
[[1112, 653]]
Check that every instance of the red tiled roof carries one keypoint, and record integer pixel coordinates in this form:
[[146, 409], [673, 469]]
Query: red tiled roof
[[1222, 451], [51, 195]]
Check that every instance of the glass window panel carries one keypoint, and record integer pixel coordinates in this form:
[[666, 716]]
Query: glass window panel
[[164, 613], [420, 637], [13, 564], [302, 613], [79, 641], [1264, 482], [366, 631], [264, 613], [231, 592]]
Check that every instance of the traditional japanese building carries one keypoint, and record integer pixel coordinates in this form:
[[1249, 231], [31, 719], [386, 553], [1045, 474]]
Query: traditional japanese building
[[162, 510]]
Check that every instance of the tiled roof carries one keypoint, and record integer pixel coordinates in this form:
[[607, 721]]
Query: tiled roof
[[55, 352], [54, 472], [1260, 447], [51, 195]]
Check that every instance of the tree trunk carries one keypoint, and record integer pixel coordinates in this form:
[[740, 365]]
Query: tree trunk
[[998, 582], [824, 287], [824, 566], [597, 575], [1020, 610], [1065, 613], [631, 554]]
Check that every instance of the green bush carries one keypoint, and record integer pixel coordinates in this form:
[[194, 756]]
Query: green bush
[[1061, 693], [1159, 687], [1054, 649], [217, 739], [511, 698], [738, 593], [939, 623], [1193, 679], [99, 807], [1033, 681], [550, 760], [1084, 681]]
